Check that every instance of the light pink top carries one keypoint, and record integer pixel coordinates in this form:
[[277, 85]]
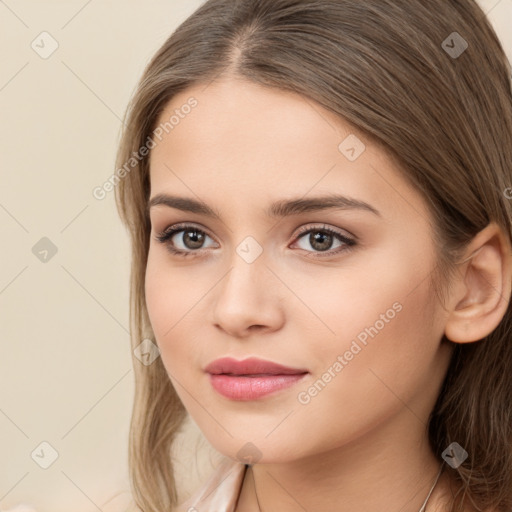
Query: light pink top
[[221, 491]]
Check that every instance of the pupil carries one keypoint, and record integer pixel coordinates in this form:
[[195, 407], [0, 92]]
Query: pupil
[[195, 239], [316, 239]]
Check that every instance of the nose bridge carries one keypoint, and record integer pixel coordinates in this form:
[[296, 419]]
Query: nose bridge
[[246, 297], [249, 250], [247, 269]]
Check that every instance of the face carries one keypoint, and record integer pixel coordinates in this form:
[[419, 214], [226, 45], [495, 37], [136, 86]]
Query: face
[[312, 253]]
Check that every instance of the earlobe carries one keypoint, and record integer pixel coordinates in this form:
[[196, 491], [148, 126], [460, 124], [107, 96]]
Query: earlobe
[[482, 292]]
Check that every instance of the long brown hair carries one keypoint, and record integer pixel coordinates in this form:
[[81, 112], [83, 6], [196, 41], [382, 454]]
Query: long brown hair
[[427, 81]]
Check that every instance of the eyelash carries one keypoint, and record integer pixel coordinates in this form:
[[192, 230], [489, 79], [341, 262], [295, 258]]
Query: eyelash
[[165, 236]]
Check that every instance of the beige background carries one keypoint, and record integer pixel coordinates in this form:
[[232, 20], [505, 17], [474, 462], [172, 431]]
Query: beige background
[[65, 364]]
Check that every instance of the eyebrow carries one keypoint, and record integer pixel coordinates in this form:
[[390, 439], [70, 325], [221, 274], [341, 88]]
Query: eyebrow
[[278, 209]]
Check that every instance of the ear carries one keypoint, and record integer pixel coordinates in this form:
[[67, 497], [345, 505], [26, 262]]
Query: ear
[[481, 291]]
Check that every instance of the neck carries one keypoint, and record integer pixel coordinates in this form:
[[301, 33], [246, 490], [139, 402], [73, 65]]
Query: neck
[[395, 468]]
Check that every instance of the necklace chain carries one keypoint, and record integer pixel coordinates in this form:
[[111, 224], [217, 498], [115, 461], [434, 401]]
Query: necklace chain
[[422, 509]]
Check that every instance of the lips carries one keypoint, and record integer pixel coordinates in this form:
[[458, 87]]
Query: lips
[[251, 378], [250, 367]]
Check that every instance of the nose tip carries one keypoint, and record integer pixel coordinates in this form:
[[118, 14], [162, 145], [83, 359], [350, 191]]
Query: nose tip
[[245, 302]]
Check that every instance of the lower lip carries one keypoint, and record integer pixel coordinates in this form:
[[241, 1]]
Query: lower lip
[[238, 387]]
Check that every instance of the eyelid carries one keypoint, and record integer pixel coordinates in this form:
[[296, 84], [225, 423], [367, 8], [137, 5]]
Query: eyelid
[[183, 226], [324, 227]]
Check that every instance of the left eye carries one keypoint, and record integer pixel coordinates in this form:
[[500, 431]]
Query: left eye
[[192, 239], [322, 239]]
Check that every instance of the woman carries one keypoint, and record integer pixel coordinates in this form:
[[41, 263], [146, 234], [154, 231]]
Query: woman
[[318, 195]]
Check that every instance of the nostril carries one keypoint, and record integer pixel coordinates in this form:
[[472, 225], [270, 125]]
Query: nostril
[[256, 327]]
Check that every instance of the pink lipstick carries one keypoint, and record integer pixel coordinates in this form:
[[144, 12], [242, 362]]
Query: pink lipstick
[[251, 378]]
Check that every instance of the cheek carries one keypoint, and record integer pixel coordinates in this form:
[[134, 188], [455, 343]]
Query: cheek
[[385, 340], [393, 322], [178, 299], [340, 306], [170, 298], [384, 354]]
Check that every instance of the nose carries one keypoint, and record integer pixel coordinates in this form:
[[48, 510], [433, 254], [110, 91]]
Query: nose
[[248, 299]]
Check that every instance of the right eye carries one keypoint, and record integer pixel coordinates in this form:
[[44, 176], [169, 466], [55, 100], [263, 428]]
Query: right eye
[[188, 236]]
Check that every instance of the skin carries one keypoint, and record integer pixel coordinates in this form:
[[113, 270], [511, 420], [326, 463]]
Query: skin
[[362, 440]]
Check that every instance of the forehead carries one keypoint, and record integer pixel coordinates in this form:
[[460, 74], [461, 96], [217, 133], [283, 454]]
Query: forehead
[[242, 141], [252, 116]]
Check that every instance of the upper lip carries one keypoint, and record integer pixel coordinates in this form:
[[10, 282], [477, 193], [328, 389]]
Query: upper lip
[[250, 366]]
